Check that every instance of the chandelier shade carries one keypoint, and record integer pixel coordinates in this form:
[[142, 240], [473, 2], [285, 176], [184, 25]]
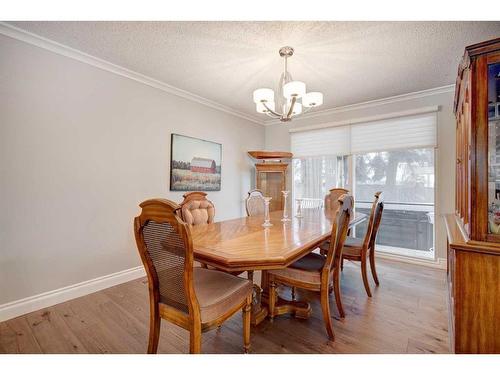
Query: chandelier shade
[[290, 99], [312, 99], [294, 88], [297, 109], [263, 95]]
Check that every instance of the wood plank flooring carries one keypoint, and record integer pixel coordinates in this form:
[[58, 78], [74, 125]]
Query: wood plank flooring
[[407, 314]]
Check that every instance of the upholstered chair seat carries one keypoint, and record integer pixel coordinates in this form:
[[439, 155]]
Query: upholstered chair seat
[[352, 247], [306, 269], [218, 292]]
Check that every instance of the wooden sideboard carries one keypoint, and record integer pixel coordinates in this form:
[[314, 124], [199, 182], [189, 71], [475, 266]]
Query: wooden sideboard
[[473, 231]]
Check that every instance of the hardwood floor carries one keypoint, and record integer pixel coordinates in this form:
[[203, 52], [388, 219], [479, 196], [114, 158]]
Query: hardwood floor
[[407, 314]]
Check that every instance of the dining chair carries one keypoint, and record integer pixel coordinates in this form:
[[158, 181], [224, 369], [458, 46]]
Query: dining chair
[[196, 299], [314, 271], [363, 250], [331, 199], [254, 203]]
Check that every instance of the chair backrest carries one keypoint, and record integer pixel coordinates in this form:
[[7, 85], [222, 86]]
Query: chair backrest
[[254, 203], [377, 218], [166, 249], [376, 209], [197, 209], [332, 198], [340, 227]]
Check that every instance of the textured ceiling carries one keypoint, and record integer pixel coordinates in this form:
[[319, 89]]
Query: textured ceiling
[[350, 62]]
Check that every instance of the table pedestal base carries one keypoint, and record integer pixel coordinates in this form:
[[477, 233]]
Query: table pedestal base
[[259, 312], [300, 309]]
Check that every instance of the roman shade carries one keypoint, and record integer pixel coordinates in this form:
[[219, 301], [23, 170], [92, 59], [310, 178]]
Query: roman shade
[[399, 133], [320, 142], [416, 131]]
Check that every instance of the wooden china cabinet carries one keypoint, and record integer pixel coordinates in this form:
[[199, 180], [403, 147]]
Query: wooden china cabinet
[[474, 229], [270, 174]]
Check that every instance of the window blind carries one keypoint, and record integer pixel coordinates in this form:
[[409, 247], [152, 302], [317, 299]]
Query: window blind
[[328, 141], [398, 133], [382, 135]]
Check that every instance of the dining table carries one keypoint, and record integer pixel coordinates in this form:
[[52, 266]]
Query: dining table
[[244, 244]]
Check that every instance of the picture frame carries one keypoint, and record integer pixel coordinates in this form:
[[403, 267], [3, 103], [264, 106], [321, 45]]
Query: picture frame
[[195, 164]]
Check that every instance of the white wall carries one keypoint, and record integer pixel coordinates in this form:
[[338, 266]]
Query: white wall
[[80, 148], [278, 138]]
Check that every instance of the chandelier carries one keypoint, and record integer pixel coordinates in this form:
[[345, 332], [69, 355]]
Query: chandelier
[[285, 104]]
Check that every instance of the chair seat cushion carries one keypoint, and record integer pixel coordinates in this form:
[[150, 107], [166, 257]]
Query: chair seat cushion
[[311, 262], [218, 292], [353, 242], [306, 269], [352, 247]]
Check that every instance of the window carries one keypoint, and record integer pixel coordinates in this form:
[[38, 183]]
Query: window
[[313, 177], [395, 156]]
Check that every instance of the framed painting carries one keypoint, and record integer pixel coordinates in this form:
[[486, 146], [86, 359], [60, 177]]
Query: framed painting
[[195, 164]]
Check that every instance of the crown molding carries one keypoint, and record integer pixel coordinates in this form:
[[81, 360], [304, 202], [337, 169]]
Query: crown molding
[[61, 49], [372, 103]]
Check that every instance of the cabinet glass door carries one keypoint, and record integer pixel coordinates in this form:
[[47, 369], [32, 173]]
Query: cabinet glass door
[[271, 184], [494, 148]]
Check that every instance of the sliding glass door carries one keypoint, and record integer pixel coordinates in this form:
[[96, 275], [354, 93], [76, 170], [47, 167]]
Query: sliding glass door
[[407, 179]]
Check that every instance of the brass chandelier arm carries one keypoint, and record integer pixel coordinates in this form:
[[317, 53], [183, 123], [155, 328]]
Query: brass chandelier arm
[[272, 116], [290, 111], [270, 110]]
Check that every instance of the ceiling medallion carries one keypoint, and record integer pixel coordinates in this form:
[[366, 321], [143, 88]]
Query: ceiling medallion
[[285, 105]]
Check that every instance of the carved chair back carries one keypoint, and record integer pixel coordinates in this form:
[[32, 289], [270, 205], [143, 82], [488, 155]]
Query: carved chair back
[[332, 198], [340, 227], [254, 203], [375, 210], [377, 218]]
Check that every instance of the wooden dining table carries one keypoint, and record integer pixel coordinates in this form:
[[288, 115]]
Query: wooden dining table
[[243, 244]]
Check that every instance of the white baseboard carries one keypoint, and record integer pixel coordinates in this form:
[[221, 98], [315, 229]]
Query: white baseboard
[[439, 263], [26, 305]]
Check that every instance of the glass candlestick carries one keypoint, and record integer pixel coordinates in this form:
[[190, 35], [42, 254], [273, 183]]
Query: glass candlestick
[[285, 208], [299, 208], [267, 221]]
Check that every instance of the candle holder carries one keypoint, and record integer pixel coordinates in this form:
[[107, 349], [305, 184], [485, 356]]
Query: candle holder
[[285, 206], [267, 219], [299, 207]]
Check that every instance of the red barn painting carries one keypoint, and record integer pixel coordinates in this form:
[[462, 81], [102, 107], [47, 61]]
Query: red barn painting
[[202, 165]]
